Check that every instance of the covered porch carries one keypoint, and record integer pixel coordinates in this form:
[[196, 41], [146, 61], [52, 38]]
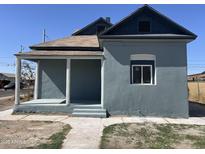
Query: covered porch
[[64, 80]]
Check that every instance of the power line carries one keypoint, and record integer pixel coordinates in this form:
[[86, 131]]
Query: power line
[[5, 57]]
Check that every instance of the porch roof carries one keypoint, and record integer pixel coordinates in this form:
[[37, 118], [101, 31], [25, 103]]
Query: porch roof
[[43, 53], [82, 41]]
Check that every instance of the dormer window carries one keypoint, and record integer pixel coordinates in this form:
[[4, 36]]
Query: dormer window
[[144, 26]]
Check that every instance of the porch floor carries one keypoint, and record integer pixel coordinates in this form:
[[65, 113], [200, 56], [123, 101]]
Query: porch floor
[[84, 108], [45, 101]]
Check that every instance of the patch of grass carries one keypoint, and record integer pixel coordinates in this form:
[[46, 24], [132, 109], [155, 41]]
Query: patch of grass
[[155, 136], [164, 137], [108, 130], [198, 141], [55, 141]]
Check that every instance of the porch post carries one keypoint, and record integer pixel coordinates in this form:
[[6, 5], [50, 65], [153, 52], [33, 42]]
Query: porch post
[[36, 81], [68, 68], [102, 82], [17, 81]]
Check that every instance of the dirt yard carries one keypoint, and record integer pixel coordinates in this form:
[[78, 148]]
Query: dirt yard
[[7, 98], [153, 136], [197, 92], [6, 104], [32, 134]]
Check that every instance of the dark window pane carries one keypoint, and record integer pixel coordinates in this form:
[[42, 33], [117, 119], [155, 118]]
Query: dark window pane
[[146, 74], [136, 74], [144, 26]]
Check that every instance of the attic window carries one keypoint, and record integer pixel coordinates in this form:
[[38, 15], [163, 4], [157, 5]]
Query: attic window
[[100, 29], [144, 26]]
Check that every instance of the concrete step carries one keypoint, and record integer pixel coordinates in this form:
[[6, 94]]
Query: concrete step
[[91, 106], [89, 114], [90, 110]]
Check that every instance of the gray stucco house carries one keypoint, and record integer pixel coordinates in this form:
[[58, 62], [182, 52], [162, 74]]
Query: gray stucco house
[[136, 67]]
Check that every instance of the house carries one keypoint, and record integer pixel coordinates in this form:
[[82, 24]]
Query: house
[[197, 77], [5, 78], [136, 67]]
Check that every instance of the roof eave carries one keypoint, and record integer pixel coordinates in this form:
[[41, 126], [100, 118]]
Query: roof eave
[[146, 37], [64, 48]]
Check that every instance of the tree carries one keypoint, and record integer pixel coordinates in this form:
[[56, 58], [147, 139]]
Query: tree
[[27, 72]]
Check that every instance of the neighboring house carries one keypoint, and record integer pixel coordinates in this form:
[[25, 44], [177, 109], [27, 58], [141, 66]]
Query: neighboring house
[[197, 77], [136, 67], [5, 78]]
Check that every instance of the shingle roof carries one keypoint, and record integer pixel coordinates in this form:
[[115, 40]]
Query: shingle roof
[[72, 41], [59, 53]]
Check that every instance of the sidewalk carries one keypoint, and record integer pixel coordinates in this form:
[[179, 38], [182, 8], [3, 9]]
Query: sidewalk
[[86, 132]]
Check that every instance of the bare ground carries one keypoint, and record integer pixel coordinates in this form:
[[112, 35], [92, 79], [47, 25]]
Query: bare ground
[[6, 104], [152, 136], [27, 134], [7, 98]]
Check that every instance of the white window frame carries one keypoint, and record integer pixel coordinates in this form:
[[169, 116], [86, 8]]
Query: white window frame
[[142, 82]]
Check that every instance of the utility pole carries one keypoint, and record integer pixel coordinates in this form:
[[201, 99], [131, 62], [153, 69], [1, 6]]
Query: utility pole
[[44, 35], [21, 49]]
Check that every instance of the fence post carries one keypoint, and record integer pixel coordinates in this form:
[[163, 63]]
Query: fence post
[[198, 89]]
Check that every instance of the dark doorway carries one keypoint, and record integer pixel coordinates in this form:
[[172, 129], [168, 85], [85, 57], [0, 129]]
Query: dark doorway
[[85, 81]]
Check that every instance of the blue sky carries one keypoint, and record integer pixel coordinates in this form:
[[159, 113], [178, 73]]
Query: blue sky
[[23, 25]]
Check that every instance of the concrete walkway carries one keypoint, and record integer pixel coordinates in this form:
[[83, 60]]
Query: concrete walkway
[[86, 132]]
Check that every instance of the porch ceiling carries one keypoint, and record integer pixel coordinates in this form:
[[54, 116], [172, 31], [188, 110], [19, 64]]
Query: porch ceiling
[[42, 53]]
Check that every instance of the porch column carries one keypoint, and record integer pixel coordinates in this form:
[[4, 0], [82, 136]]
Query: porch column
[[68, 68], [36, 81], [102, 82], [17, 81]]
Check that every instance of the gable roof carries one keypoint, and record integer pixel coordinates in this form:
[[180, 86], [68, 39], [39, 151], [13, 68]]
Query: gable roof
[[72, 42], [112, 31], [90, 26]]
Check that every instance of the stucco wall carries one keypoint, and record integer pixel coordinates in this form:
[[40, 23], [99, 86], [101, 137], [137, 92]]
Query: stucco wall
[[167, 98], [52, 78], [85, 80]]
